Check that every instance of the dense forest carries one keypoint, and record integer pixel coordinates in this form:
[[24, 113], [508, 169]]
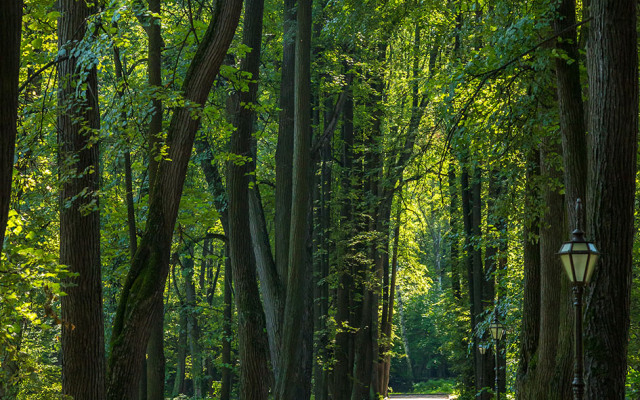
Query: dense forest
[[329, 199]]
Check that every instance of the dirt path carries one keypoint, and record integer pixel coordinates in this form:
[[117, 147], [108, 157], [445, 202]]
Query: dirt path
[[422, 396]]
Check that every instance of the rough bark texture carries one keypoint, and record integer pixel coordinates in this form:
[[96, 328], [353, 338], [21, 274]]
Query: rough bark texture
[[571, 110], [341, 372], [252, 344], [554, 342], [155, 359], [83, 365], [284, 150], [613, 124], [10, 32], [147, 276], [530, 331], [290, 384]]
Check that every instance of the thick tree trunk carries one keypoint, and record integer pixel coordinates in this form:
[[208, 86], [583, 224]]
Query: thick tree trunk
[[530, 331], [554, 342], [83, 365], [613, 124], [10, 32], [284, 150], [252, 344], [571, 110], [155, 359], [292, 380], [147, 276]]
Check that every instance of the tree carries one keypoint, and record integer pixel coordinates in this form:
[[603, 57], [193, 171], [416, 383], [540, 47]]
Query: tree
[[11, 13], [252, 345], [83, 365], [613, 123], [146, 278]]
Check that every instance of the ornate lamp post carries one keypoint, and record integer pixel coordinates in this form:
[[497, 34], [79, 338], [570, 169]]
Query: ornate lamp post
[[497, 331], [579, 258]]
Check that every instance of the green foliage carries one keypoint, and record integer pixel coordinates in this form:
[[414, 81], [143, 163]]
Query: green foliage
[[434, 386]]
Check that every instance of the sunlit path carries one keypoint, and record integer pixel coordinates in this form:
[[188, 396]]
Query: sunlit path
[[423, 396]]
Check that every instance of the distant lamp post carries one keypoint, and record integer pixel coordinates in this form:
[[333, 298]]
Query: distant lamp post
[[482, 348], [579, 258], [497, 332]]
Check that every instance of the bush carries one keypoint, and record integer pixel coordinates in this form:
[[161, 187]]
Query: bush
[[434, 386]]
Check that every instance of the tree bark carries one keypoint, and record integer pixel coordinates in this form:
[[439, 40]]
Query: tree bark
[[530, 331], [341, 371], [146, 279], [291, 381], [83, 363], [613, 123], [155, 348], [227, 328], [284, 150], [252, 345], [10, 33]]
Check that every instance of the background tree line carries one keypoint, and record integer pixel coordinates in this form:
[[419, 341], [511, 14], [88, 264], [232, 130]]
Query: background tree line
[[372, 183]]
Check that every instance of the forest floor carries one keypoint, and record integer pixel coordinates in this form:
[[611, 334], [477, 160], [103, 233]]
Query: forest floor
[[442, 396]]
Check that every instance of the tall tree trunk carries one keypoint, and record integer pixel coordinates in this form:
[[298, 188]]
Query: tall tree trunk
[[321, 273], [83, 364], [291, 382], [341, 388], [530, 330], [181, 354], [252, 345], [284, 150], [10, 32], [454, 222], [146, 279], [193, 329], [227, 329], [613, 124], [554, 342], [155, 359]]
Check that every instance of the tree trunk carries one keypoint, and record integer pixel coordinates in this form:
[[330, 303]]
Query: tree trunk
[[252, 345], [146, 279], [155, 348], [10, 33], [155, 360], [83, 365], [321, 273], [530, 331], [193, 329], [341, 371], [284, 150], [613, 124], [181, 354], [291, 382], [227, 329]]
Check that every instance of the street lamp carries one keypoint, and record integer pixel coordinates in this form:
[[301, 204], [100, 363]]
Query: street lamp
[[579, 258], [497, 331]]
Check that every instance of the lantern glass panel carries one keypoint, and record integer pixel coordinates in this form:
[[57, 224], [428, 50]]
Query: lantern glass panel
[[593, 258], [580, 265], [496, 330], [566, 261]]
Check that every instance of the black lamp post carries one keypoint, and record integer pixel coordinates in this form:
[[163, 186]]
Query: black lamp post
[[497, 331], [579, 258]]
